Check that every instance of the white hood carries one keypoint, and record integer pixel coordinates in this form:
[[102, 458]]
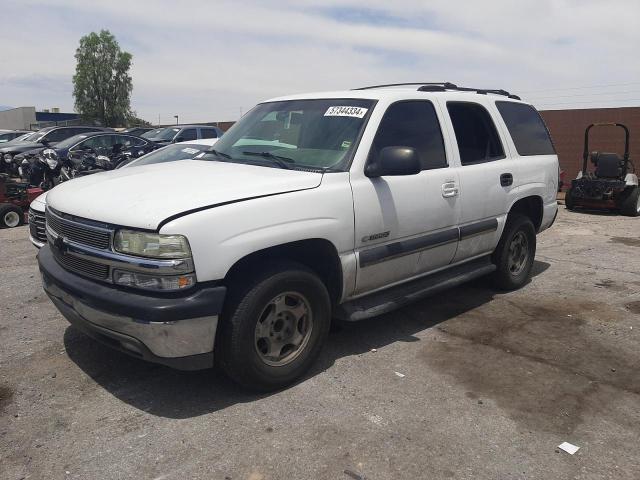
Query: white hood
[[142, 197]]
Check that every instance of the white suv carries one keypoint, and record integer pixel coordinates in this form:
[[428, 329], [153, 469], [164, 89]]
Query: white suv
[[342, 205]]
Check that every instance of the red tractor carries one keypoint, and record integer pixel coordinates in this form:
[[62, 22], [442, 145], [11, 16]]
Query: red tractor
[[15, 198], [612, 183]]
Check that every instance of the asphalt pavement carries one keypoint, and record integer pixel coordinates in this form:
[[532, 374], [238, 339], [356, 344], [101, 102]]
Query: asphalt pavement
[[470, 384]]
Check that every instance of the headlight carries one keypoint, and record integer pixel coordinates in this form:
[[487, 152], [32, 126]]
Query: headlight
[[153, 282], [7, 158], [52, 162], [153, 245]]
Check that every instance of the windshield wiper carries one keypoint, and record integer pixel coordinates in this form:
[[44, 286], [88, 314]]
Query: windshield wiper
[[282, 162], [219, 154]]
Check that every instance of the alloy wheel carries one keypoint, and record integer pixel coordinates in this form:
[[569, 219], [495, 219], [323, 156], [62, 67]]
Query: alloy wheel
[[283, 329], [518, 253]]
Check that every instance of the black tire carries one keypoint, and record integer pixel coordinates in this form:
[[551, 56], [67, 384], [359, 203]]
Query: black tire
[[630, 202], [568, 200], [8, 214], [518, 230], [237, 350]]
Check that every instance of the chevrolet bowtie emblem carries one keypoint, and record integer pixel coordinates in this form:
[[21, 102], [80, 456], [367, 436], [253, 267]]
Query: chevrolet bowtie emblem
[[60, 245]]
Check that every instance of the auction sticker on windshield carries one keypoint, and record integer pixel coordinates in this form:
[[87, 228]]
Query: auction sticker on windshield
[[345, 111], [191, 151]]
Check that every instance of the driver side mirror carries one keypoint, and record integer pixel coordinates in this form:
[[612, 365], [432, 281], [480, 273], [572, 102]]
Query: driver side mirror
[[394, 161], [44, 141], [178, 139]]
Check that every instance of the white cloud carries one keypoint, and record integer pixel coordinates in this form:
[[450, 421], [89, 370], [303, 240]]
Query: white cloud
[[208, 60]]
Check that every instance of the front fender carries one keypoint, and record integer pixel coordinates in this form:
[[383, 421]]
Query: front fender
[[221, 236]]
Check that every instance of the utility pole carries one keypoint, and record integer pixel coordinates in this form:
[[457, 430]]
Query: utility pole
[[176, 117], [158, 119]]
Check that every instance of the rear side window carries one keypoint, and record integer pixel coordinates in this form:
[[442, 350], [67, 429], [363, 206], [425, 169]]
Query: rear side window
[[528, 131], [476, 134], [209, 133], [412, 124], [188, 134]]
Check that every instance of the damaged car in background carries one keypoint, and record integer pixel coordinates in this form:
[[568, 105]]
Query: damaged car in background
[[170, 153]]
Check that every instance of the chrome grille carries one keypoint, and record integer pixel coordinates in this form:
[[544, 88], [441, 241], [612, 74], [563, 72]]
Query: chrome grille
[[37, 225], [78, 232], [81, 266]]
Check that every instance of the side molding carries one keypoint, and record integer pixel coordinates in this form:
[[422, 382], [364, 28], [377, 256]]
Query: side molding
[[405, 247]]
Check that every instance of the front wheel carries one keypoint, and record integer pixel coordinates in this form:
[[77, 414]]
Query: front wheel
[[10, 216], [515, 252], [274, 326]]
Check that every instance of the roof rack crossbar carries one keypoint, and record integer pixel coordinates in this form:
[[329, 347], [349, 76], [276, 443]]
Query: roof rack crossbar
[[447, 84], [442, 86]]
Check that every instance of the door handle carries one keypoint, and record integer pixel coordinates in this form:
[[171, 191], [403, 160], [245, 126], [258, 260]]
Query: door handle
[[506, 179], [449, 189]]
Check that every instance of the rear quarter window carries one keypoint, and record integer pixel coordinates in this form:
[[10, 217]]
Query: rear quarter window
[[528, 131], [209, 133]]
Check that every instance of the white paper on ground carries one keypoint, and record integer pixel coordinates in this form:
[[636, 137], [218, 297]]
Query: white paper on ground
[[399, 374], [567, 447]]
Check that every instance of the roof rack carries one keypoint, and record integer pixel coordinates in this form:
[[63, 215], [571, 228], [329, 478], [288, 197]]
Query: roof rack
[[444, 86]]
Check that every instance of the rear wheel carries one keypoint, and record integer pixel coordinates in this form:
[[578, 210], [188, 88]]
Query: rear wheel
[[274, 327], [568, 200], [10, 216], [515, 252], [630, 204]]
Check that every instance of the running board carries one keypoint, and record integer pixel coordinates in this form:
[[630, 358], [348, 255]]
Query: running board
[[396, 297]]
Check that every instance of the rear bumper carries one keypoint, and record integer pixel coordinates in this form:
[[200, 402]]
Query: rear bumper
[[177, 330]]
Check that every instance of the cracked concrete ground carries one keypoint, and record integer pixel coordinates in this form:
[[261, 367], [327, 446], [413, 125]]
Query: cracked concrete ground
[[493, 383]]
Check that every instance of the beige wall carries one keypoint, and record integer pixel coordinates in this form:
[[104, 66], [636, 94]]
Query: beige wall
[[17, 118]]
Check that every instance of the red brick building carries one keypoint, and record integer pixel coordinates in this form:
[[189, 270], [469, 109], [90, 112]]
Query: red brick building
[[567, 131]]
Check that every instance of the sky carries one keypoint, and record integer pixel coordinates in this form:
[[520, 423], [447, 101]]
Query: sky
[[213, 60]]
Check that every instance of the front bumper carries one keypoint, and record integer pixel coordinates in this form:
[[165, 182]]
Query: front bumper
[[175, 329], [36, 243]]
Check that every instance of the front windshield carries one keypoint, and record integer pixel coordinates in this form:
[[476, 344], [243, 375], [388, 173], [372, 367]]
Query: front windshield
[[166, 133], [309, 134], [71, 141], [170, 153], [152, 133]]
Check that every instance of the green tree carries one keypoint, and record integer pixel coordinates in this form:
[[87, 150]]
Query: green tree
[[134, 121], [102, 85]]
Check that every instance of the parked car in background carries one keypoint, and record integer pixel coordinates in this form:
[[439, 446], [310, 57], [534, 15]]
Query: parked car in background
[[182, 133], [9, 135], [43, 168], [170, 153], [173, 152], [137, 130], [46, 137], [311, 207]]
